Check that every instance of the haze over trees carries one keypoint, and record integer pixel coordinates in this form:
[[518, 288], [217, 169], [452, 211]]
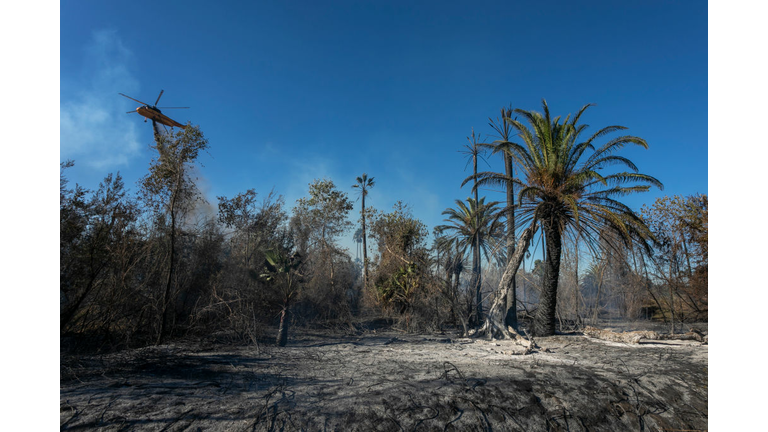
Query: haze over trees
[[163, 263]]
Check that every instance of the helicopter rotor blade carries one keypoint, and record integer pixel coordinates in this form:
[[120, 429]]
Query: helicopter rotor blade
[[158, 97], [130, 112], [172, 107], [143, 103]]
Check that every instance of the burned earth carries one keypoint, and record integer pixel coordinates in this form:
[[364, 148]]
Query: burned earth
[[390, 381]]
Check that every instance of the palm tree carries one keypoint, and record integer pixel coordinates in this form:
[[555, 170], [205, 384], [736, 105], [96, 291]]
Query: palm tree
[[282, 271], [565, 190], [475, 225], [504, 129], [364, 184], [473, 149]]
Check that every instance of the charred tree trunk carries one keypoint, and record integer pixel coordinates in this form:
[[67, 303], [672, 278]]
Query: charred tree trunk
[[544, 320], [457, 284]]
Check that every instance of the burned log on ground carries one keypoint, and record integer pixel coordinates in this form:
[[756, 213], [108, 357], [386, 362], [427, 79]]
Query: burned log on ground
[[692, 334], [635, 337], [632, 337]]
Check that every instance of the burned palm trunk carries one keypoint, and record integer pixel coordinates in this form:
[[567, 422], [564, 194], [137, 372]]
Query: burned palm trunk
[[544, 320]]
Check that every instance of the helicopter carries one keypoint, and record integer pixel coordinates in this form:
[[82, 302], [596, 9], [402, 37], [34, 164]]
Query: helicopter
[[152, 112]]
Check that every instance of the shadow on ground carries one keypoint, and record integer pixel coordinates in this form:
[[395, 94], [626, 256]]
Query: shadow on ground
[[390, 381]]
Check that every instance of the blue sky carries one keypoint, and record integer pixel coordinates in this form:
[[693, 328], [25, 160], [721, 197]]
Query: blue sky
[[287, 92]]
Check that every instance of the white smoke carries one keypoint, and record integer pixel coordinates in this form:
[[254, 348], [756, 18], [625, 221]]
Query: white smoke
[[95, 130]]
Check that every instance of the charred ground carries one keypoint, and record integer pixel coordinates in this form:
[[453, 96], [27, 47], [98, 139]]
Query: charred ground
[[387, 380]]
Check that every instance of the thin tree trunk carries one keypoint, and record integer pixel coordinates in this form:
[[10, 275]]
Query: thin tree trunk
[[596, 310], [511, 315], [671, 301], [167, 294], [476, 266], [365, 249], [282, 331], [457, 284], [577, 291]]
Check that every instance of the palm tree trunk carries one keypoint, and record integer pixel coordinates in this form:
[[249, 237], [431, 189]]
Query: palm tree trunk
[[544, 321], [456, 285], [511, 316], [365, 250], [577, 291], [476, 269]]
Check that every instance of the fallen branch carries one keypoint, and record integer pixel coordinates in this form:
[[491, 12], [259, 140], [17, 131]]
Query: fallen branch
[[693, 334], [635, 337], [624, 337]]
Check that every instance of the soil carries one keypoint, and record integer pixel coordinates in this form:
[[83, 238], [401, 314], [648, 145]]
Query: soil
[[390, 381]]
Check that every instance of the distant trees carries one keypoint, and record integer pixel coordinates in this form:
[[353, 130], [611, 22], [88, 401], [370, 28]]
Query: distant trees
[[679, 262], [240, 213], [404, 285], [317, 223]]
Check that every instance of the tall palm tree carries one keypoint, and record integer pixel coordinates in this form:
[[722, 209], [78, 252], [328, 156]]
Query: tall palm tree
[[474, 224], [565, 190], [474, 149], [504, 131], [364, 184]]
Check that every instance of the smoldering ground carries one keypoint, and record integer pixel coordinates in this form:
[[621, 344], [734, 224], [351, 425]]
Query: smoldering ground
[[390, 381]]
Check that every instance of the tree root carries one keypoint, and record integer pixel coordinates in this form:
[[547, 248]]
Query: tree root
[[494, 326]]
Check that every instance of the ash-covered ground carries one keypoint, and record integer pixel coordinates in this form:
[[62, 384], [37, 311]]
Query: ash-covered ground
[[390, 381]]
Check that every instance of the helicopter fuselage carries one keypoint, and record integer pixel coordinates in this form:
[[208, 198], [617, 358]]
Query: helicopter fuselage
[[154, 114]]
